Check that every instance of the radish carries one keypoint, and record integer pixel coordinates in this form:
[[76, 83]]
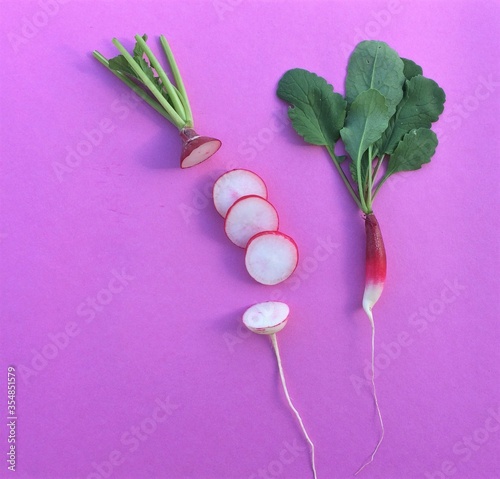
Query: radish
[[376, 265], [384, 118], [143, 73], [195, 148], [235, 184], [271, 257], [269, 318], [247, 217], [375, 273], [251, 222]]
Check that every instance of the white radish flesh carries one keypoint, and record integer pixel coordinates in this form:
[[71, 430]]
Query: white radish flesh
[[199, 150], [266, 318], [271, 257], [235, 184], [247, 217]]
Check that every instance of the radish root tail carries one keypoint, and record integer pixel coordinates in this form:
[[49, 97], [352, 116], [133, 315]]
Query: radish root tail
[[369, 313], [274, 342]]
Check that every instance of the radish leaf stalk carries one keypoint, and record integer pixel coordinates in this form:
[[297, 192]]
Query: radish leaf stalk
[[144, 74], [384, 119]]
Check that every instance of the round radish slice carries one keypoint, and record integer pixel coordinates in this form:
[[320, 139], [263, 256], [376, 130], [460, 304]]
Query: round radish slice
[[247, 217], [266, 318], [235, 184], [271, 257]]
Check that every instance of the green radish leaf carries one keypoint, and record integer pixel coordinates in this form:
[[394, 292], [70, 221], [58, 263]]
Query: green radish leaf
[[317, 113], [366, 121], [138, 55], [138, 51], [381, 145], [422, 104], [364, 169], [411, 69], [415, 149], [354, 173], [146, 68], [374, 65], [119, 63]]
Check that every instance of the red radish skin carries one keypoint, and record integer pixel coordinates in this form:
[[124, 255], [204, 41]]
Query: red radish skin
[[250, 215], [196, 148], [233, 185], [376, 264]]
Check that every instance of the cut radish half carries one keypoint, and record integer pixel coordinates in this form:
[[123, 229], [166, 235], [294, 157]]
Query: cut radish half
[[271, 257], [235, 184], [266, 318], [196, 148], [247, 217]]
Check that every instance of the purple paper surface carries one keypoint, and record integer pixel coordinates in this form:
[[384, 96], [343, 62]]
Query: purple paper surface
[[121, 297]]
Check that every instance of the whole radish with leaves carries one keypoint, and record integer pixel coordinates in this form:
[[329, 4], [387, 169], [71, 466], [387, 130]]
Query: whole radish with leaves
[[384, 123], [143, 73]]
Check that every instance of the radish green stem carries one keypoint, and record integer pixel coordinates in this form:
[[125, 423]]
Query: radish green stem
[[377, 167], [184, 107], [133, 86], [176, 119], [343, 176], [274, 342], [164, 78], [178, 79], [375, 173], [364, 207], [375, 399], [381, 182], [369, 179]]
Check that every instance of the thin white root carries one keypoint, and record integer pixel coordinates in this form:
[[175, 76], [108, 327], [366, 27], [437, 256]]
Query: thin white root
[[274, 342], [375, 399]]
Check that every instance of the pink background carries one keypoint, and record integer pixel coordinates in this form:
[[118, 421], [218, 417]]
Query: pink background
[[171, 327]]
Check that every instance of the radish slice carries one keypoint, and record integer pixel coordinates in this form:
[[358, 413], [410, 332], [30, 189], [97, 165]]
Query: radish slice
[[271, 257], [235, 184], [247, 217], [196, 148], [266, 318]]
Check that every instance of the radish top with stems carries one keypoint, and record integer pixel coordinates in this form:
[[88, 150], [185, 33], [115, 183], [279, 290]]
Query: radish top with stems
[[269, 318], [384, 119], [143, 73]]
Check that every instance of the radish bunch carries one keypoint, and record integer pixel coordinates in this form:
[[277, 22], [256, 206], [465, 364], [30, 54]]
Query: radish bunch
[[251, 222], [269, 318]]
